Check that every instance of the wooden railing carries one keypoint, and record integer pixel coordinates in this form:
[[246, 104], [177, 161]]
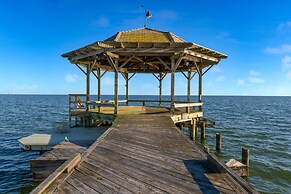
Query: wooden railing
[[76, 103]]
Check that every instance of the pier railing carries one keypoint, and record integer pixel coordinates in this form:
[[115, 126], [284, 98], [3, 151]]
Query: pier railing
[[77, 102]]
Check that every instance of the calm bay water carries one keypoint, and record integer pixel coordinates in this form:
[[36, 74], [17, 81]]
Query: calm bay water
[[261, 123]]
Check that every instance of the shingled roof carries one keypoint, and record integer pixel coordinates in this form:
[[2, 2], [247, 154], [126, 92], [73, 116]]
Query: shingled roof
[[145, 35]]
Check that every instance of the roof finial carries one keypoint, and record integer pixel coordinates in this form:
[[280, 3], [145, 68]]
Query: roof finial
[[147, 15]]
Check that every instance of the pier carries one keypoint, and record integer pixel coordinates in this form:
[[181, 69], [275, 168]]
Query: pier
[[143, 154], [143, 151]]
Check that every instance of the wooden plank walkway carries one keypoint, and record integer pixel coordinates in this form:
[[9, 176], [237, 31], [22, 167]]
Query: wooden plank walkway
[[144, 154]]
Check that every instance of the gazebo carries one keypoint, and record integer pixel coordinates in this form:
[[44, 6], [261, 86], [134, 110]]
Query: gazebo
[[140, 51]]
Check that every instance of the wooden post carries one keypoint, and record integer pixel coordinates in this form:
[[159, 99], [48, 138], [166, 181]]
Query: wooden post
[[206, 149], [172, 86], [218, 142], [88, 86], [181, 126], [126, 88], [193, 129], [116, 89], [160, 89], [245, 156], [200, 88], [99, 83], [203, 127], [189, 86]]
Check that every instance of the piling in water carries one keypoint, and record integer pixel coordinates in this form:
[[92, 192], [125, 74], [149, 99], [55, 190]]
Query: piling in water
[[203, 127], [218, 142]]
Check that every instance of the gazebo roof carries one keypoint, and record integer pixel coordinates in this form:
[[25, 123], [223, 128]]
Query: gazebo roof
[[144, 50], [145, 35]]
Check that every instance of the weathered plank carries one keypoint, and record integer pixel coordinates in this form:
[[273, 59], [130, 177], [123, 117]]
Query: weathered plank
[[146, 154]]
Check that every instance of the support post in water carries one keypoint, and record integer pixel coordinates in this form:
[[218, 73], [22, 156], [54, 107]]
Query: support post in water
[[181, 125], [193, 128], [245, 156], [203, 127], [218, 142], [245, 159]]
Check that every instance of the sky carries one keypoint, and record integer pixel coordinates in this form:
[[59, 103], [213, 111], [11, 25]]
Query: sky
[[256, 36]]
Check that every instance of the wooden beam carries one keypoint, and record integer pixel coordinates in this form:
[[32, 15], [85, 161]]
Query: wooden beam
[[112, 55], [185, 75], [177, 63], [86, 55], [166, 66], [207, 69], [81, 69], [125, 62], [113, 65], [200, 88], [156, 76], [200, 55], [197, 68], [103, 73], [95, 74], [193, 75], [163, 75], [131, 76]]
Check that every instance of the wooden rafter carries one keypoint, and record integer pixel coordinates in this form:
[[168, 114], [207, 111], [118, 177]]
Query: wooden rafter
[[166, 66], [207, 69], [81, 69]]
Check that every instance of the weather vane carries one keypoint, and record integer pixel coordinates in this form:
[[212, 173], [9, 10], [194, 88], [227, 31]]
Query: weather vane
[[147, 15]]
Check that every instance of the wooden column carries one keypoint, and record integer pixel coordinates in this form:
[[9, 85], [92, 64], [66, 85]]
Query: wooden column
[[172, 85], [189, 86], [99, 83], [88, 85], [126, 87], [160, 88], [116, 89], [200, 88]]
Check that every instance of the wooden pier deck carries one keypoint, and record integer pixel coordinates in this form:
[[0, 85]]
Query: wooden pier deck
[[142, 154]]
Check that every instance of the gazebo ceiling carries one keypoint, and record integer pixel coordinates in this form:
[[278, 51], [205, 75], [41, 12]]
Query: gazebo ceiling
[[144, 50]]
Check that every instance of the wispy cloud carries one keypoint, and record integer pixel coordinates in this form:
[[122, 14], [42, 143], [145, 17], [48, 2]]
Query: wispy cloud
[[284, 26], [256, 80], [220, 78], [101, 22], [254, 73], [240, 82], [216, 69], [286, 62], [71, 77], [283, 49]]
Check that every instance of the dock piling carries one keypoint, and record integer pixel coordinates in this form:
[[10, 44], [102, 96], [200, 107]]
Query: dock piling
[[218, 142], [203, 127], [193, 128], [245, 156]]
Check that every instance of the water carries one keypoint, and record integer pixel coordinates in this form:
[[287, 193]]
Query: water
[[260, 123]]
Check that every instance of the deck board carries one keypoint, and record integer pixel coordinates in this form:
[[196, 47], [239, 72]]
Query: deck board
[[146, 154]]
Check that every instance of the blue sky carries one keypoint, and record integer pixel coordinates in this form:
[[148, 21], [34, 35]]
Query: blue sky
[[256, 36]]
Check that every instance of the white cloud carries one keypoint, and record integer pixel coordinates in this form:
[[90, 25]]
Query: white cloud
[[102, 22], [285, 26], [286, 62], [216, 69], [71, 77], [256, 80], [220, 78], [240, 82], [254, 73], [283, 49]]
